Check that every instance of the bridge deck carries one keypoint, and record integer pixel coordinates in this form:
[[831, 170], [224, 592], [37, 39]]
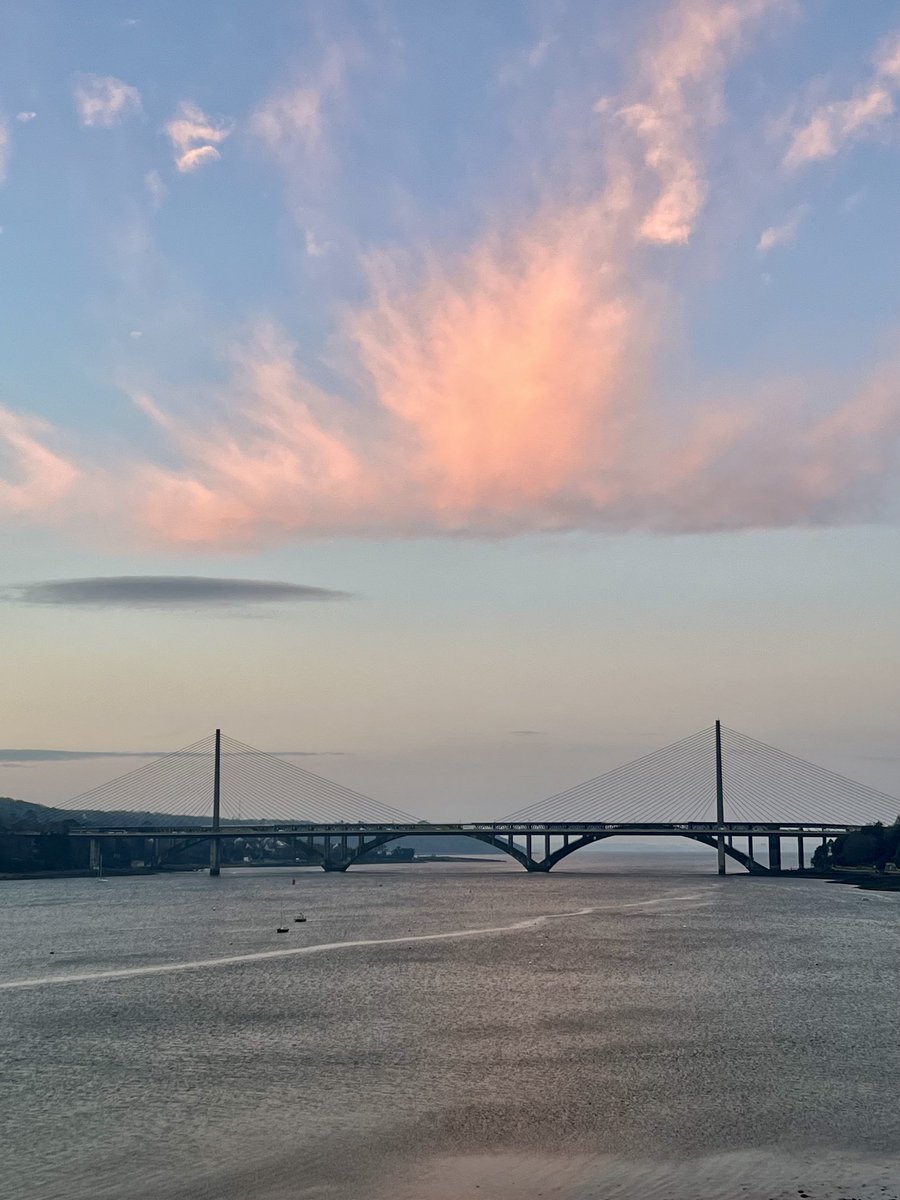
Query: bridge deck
[[495, 828]]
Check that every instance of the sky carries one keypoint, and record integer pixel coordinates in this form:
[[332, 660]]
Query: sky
[[472, 397]]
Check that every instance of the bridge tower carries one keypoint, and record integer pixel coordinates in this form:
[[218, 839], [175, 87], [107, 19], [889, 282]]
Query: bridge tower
[[215, 844], [720, 799]]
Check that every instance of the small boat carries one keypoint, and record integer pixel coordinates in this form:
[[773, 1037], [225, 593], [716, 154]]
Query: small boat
[[300, 918], [281, 929]]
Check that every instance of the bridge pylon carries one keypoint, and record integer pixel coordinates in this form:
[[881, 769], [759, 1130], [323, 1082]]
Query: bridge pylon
[[215, 846], [720, 799]]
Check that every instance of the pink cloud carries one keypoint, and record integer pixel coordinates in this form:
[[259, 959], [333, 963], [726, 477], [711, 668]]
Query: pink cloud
[[33, 478], [679, 99], [784, 233], [103, 101], [514, 392], [292, 116], [501, 376], [840, 123], [192, 160], [195, 136], [514, 385]]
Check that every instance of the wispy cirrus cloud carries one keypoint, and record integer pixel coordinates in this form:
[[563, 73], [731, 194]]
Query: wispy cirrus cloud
[[156, 188], [292, 122], [165, 592], [680, 99], [784, 233], [840, 123], [525, 61], [515, 383], [34, 478], [295, 127], [103, 101], [290, 119], [195, 136]]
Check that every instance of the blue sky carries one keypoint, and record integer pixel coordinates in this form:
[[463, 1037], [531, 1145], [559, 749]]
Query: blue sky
[[561, 337]]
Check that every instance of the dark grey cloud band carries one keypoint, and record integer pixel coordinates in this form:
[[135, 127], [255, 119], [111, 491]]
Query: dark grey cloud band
[[166, 592]]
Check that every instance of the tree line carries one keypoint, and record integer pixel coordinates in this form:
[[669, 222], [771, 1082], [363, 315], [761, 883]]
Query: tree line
[[875, 846]]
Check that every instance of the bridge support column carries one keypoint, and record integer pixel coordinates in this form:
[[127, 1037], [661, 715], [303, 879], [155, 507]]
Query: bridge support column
[[94, 860], [774, 853], [800, 860], [332, 861]]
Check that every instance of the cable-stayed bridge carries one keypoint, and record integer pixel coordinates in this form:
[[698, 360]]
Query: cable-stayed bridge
[[717, 787]]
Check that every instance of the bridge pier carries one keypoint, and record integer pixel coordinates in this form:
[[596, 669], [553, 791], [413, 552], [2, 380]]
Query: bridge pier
[[94, 860], [774, 853], [800, 859], [332, 861]]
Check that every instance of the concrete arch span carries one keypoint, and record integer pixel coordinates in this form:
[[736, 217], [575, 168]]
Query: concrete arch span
[[748, 863], [542, 866], [506, 845], [331, 855]]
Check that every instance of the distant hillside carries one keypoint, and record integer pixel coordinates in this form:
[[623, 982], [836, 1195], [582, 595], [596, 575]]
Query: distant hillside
[[16, 813]]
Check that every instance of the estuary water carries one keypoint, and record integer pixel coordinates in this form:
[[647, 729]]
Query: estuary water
[[627, 1026]]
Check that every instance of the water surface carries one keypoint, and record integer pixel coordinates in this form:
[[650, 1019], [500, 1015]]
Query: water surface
[[628, 1026]]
